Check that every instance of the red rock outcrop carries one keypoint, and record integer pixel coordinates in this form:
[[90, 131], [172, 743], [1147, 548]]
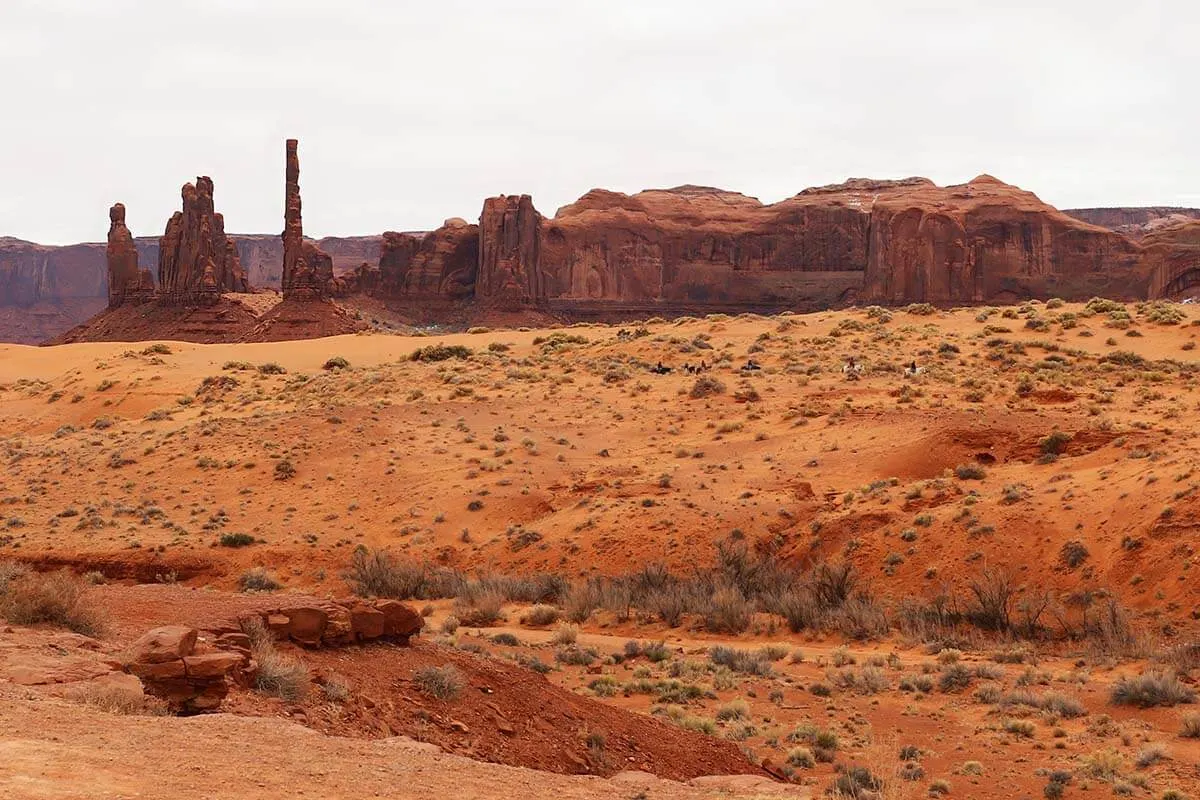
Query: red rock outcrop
[[510, 232], [437, 266], [1134, 222], [700, 248], [190, 679], [340, 623], [194, 263], [985, 242], [307, 270], [121, 257], [1173, 256]]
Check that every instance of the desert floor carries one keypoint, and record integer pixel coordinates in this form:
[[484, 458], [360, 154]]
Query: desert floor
[[1053, 445]]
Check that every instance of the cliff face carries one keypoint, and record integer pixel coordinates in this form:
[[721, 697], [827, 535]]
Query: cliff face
[[1134, 222], [986, 241], [432, 268], [700, 248], [687, 249]]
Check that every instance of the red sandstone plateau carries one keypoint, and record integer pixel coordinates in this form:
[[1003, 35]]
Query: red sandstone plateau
[[607, 256]]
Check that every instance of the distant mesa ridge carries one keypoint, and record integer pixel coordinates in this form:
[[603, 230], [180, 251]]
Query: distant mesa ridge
[[688, 248]]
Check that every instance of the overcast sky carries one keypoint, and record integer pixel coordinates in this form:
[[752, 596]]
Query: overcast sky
[[412, 112]]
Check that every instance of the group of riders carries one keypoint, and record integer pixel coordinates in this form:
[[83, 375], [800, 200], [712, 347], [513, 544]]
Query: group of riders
[[852, 368]]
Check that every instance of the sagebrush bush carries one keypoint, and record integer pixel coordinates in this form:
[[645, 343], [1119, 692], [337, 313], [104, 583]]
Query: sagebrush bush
[[281, 675], [53, 598], [258, 579], [1151, 689], [440, 352], [706, 386], [540, 615], [444, 682]]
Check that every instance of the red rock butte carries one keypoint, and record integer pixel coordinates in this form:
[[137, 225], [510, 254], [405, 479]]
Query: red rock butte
[[690, 249]]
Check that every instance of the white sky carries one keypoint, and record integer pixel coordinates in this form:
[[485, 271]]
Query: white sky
[[411, 112]]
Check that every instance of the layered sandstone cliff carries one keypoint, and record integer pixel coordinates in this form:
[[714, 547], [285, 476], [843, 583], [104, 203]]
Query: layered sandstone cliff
[[1135, 222], [430, 268], [701, 248]]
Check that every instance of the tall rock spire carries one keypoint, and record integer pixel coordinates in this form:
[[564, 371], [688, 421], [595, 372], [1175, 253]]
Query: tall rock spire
[[122, 258], [307, 271]]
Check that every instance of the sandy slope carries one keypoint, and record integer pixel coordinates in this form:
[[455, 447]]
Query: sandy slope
[[576, 458], [73, 753]]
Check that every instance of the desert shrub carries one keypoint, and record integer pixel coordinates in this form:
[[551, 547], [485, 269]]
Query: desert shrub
[[479, 609], [970, 472], [706, 386], [656, 652], [566, 634], [236, 540], [856, 782], [860, 618], [116, 699], [799, 609], [993, 593], [729, 612], [955, 677], [576, 656], [1074, 553], [540, 616], [280, 675], [1190, 726], [1055, 443], [284, 470], [54, 598], [1103, 764], [1062, 705], [734, 709], [1150, 755], [746, 662], [271, 368], [582, 600], [801, 757], [258, 580], [1151, 689], [10, 571], [377, 574], [440, 352], [335, 689], [337, 362], [444, 682]]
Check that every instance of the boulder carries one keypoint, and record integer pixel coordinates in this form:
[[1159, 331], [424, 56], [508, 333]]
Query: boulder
[[213, 665], [367, 622], [168, 643], [399, 619], [306, 625]]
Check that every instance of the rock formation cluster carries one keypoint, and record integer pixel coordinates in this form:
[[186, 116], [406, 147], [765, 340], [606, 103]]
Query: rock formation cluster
[[196, 261]]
